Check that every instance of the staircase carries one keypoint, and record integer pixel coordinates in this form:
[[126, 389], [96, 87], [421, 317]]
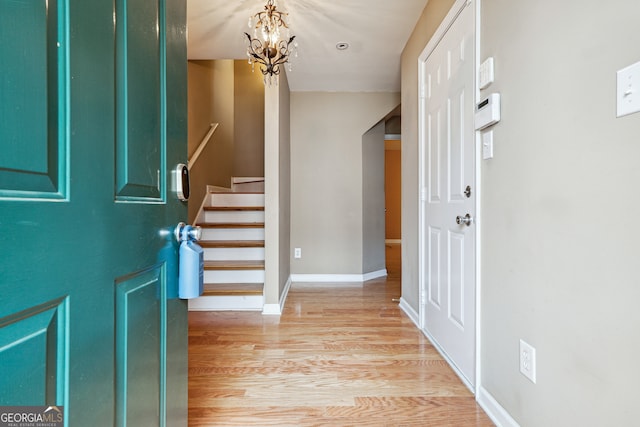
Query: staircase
[[232, 221]]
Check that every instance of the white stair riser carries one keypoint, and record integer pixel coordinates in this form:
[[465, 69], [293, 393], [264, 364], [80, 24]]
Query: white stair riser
[[230, 302], [234, 276], [232, 234], [234, 216], [229, 199], [230, 254], [232, 199]]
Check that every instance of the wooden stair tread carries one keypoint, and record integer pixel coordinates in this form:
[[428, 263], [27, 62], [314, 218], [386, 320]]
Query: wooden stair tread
[[234, 208], [237, 179], [246, 179], [231, 224], [228, 289], [234, 265], [231, 243]]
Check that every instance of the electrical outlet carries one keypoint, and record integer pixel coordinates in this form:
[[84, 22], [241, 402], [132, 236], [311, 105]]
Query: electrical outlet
[[297, 253], [528, 361]]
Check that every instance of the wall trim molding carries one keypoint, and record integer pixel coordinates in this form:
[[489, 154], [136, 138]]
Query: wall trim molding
[[494, 410], [375, 275], [409, 311], [271, 310], [276, 309], [337, 278], [442, 29]]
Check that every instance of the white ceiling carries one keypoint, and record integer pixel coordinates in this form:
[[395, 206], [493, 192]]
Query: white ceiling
[[376, 31]]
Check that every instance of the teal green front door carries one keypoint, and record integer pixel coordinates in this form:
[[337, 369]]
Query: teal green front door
[[92, 123]]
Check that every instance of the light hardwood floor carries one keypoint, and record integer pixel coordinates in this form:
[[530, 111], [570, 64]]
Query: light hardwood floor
[[338, 356]]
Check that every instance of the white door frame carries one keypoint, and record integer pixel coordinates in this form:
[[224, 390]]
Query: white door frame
[[446, 23]]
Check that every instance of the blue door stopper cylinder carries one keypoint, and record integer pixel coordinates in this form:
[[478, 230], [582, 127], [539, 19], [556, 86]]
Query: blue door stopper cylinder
[[191, 269]]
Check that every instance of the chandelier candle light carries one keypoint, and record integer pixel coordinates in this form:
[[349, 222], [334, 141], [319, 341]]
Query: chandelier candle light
[[270, 51]]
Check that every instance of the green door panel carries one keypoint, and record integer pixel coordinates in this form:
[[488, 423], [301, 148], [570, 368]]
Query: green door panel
[[41, 333], [32, 111], [139, 164], [89, 133], [140, 309]]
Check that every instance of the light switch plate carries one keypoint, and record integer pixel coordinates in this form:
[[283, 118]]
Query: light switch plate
[[487, 145], [628, 90], [485, 73]]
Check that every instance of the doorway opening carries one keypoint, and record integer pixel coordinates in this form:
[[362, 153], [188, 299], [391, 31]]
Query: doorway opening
[[393, 202]]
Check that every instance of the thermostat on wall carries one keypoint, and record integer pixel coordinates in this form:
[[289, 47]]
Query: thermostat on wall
[[488, 111]]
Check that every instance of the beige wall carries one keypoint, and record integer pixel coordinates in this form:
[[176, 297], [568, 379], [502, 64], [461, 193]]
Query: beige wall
[[210, 92], [373, 248], [326, 177], [431, 17], [277, 195], [284, 182], [200, 95], [228, 93], [248, 150], [220, 169], [560, 247]]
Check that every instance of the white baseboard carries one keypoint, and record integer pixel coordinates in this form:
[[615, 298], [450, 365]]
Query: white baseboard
[[494, 410], [337, 278], [271, 310], [276, 309], [375, 275], [285, 293], [409, 311]]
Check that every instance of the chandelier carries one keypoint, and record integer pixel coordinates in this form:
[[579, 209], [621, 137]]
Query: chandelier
[[269, 50]]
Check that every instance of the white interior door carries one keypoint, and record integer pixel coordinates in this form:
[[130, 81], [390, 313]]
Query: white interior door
[[448, 189]]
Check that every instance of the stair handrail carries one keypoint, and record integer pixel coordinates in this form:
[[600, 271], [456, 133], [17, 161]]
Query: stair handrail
[[203, 144]]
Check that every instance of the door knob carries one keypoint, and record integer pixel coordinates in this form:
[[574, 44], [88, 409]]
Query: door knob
[[466, 220], [184, 232]]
